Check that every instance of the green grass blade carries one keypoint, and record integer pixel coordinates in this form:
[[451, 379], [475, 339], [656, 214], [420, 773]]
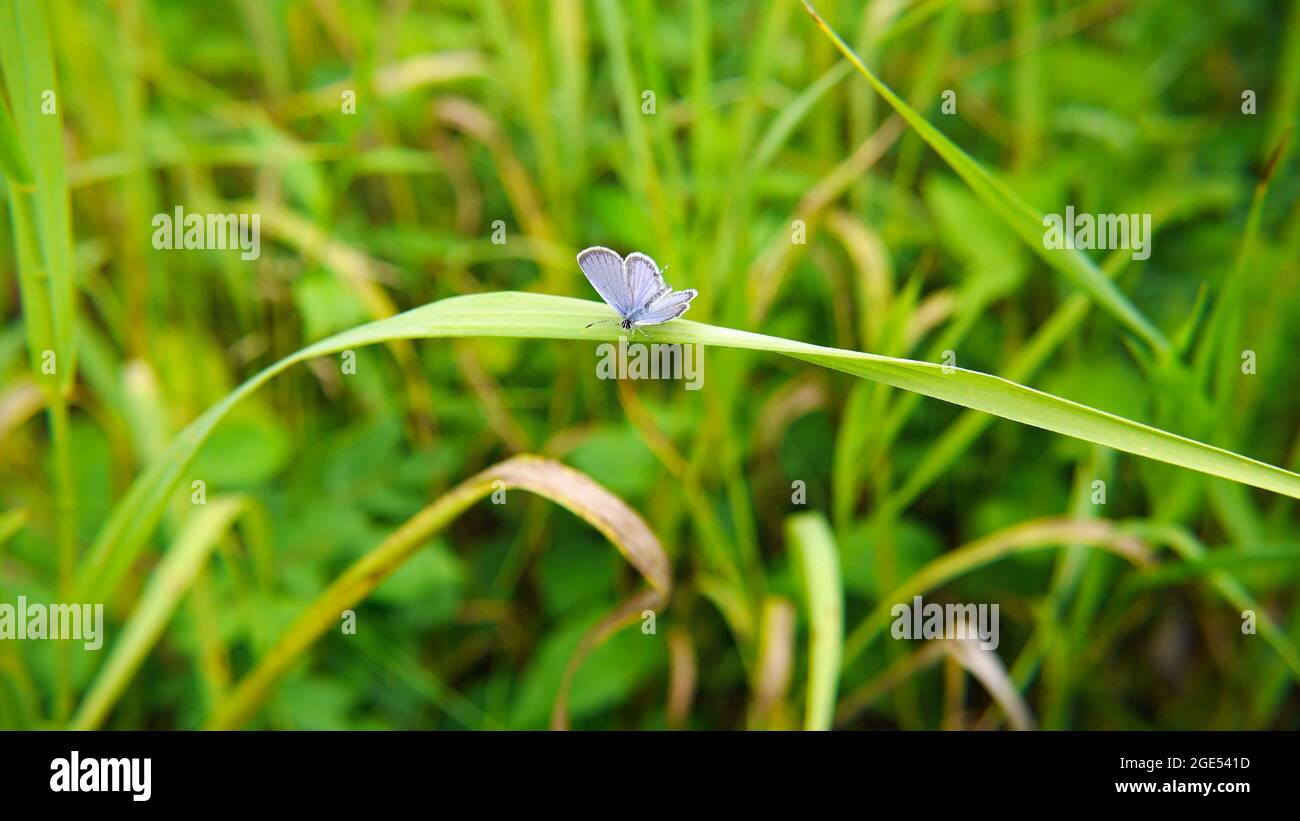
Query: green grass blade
[[818, 565], [162, 593], [791, 116], [13, 162], [1022, 218], [1287, 558], [44, 240], [542, 316], [28, 62]]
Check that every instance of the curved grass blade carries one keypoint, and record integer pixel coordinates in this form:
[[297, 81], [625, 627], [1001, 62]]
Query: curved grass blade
[[1034, 535], [534, 316], [621, 616], [552, 480], [988, 669]]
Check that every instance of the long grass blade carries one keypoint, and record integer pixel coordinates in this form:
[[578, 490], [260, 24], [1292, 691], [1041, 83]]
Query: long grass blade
[[162, 593], [541, 316], [1018, 215]]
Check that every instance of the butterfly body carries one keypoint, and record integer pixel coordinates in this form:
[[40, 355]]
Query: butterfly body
[[634, 287]]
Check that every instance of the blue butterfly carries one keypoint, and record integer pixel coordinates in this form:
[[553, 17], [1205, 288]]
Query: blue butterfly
[[634, 287]]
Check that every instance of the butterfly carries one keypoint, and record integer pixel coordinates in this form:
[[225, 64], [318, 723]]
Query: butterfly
[[634, 287]]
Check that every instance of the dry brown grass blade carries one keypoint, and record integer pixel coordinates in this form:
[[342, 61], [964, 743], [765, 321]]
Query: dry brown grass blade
[[18, 403], [988, 669], [561, 484], [775, 667], [683, 676], [420, 71], [873, 279], [983, 665], [598, 507]]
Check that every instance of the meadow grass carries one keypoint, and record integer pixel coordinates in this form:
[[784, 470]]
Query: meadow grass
[[797, 166]]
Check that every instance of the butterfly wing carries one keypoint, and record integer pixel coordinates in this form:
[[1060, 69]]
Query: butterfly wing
[[644, 281], [669, 305], [604, 270]]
